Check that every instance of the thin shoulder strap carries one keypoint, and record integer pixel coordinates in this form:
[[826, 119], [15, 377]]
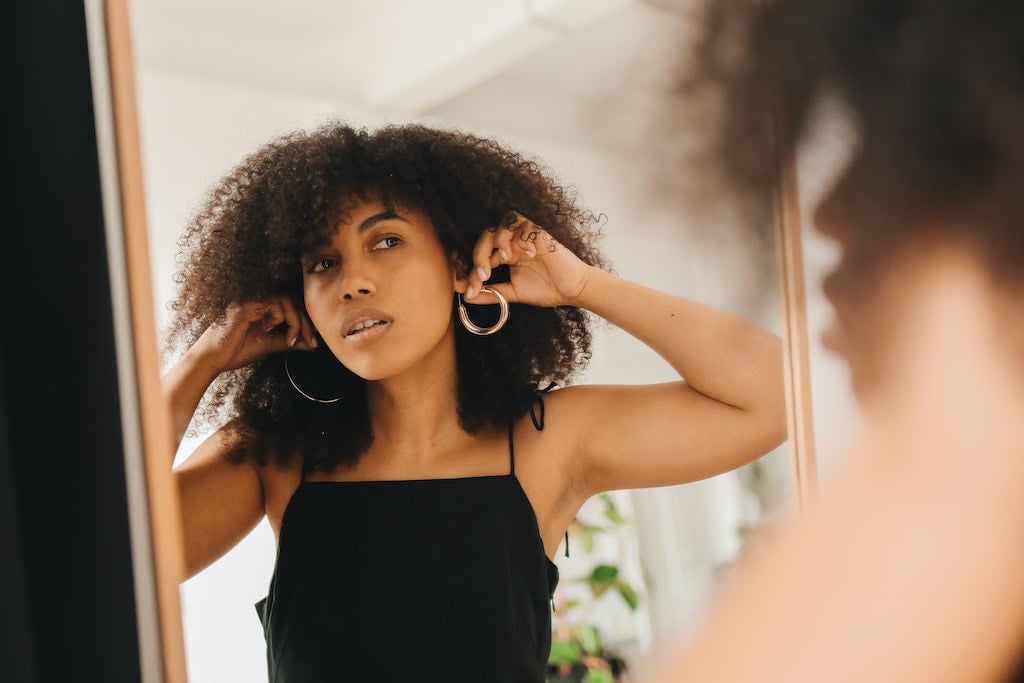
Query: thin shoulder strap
[[537, 416], [511, 451]]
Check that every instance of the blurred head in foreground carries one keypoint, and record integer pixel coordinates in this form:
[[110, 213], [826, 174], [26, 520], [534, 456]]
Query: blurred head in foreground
[[934, 93]]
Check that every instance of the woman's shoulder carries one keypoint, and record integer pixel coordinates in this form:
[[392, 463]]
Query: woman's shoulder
[[280, 476], [561, 410], [279, 483], [546, 435]]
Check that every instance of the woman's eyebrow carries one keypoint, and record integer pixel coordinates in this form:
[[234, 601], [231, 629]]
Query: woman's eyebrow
[[377, 218]]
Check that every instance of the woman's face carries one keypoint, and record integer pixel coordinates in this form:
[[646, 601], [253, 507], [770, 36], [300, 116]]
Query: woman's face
[[380, 293], [867, 289]]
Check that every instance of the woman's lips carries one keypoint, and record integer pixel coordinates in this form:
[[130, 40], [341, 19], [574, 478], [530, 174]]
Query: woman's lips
[[369, 331], [364, 325]]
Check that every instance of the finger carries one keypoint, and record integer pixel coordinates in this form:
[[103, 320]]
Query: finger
[[520, 226], [514, 224], [308, 331], [273, 343], [527, 232], [301, 345], [511, 220], [500, 254], [293, 318], [482, 297], [481, 266], [511, 247], [524, 232], [257, 309], [482, 253], [273, 314], [248, 312]]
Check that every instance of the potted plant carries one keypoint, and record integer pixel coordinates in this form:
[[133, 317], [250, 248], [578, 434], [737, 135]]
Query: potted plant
[[578, 652]]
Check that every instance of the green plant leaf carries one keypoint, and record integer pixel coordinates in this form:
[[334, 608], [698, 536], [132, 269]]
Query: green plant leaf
[[586, 539], [564, 652], [614, 517], [628, 594], [590, 639], [611, 511], [604, 572], [602, 578], [598, 676]]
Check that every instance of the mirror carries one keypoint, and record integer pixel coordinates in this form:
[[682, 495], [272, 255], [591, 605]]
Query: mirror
[[574, 83]]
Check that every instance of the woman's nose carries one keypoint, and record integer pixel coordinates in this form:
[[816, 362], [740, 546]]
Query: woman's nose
[[355, 285]]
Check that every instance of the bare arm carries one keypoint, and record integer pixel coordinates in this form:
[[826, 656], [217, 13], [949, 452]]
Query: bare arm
[[729, 410], [222, 501]]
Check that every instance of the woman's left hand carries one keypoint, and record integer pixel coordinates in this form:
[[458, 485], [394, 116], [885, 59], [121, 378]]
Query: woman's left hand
[[543, 271]]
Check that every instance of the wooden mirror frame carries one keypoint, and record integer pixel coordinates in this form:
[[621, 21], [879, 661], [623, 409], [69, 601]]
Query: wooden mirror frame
[[157, 555], [795, 341]]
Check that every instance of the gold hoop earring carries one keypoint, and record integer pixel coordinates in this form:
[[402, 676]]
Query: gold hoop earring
[[484, 331], [314, 399]]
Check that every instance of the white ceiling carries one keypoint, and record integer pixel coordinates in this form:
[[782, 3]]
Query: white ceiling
[[563, 68]]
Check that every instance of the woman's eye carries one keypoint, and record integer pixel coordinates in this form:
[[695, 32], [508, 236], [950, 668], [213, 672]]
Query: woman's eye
[[389, 242], [321, 265]]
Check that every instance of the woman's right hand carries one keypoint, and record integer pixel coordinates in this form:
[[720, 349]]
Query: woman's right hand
[[247, 332], [254, 329]]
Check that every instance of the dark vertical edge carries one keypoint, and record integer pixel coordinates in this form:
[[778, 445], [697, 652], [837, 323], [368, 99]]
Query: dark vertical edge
[[62, 413]]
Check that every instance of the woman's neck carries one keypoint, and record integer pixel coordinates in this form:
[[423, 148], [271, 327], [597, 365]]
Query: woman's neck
[[415, 415]]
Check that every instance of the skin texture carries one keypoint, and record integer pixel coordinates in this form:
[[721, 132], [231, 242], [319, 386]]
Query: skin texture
[[729, 410]]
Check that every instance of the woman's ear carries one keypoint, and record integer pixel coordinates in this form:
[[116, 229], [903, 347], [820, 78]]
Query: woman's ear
[[460, 273]]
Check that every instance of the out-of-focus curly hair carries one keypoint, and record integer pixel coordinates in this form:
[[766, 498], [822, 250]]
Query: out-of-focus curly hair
[[933, 88], [289, 197]]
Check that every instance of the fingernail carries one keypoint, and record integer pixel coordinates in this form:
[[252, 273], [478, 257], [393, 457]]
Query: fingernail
[[504, 254], [470, 292], [313, 342], [481, 272], [294, 340], [530, 252]]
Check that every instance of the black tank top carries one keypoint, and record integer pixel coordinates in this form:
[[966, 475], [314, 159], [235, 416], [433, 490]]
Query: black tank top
[[432, 579]]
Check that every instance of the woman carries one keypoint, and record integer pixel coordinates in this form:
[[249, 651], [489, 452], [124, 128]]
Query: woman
[[910, 567], [419, 494]]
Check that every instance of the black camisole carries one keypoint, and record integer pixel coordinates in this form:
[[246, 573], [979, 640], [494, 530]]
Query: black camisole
[[431, 579]]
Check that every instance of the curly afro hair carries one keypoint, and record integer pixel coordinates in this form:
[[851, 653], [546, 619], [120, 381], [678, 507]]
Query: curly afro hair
[[933, 88], [288, 197]]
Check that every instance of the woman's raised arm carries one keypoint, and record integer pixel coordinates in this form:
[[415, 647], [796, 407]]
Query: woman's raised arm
[[728, 409], [221, 501]]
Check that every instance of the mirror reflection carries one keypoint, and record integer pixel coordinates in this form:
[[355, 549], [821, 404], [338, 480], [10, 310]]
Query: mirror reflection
[[569, 87]]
